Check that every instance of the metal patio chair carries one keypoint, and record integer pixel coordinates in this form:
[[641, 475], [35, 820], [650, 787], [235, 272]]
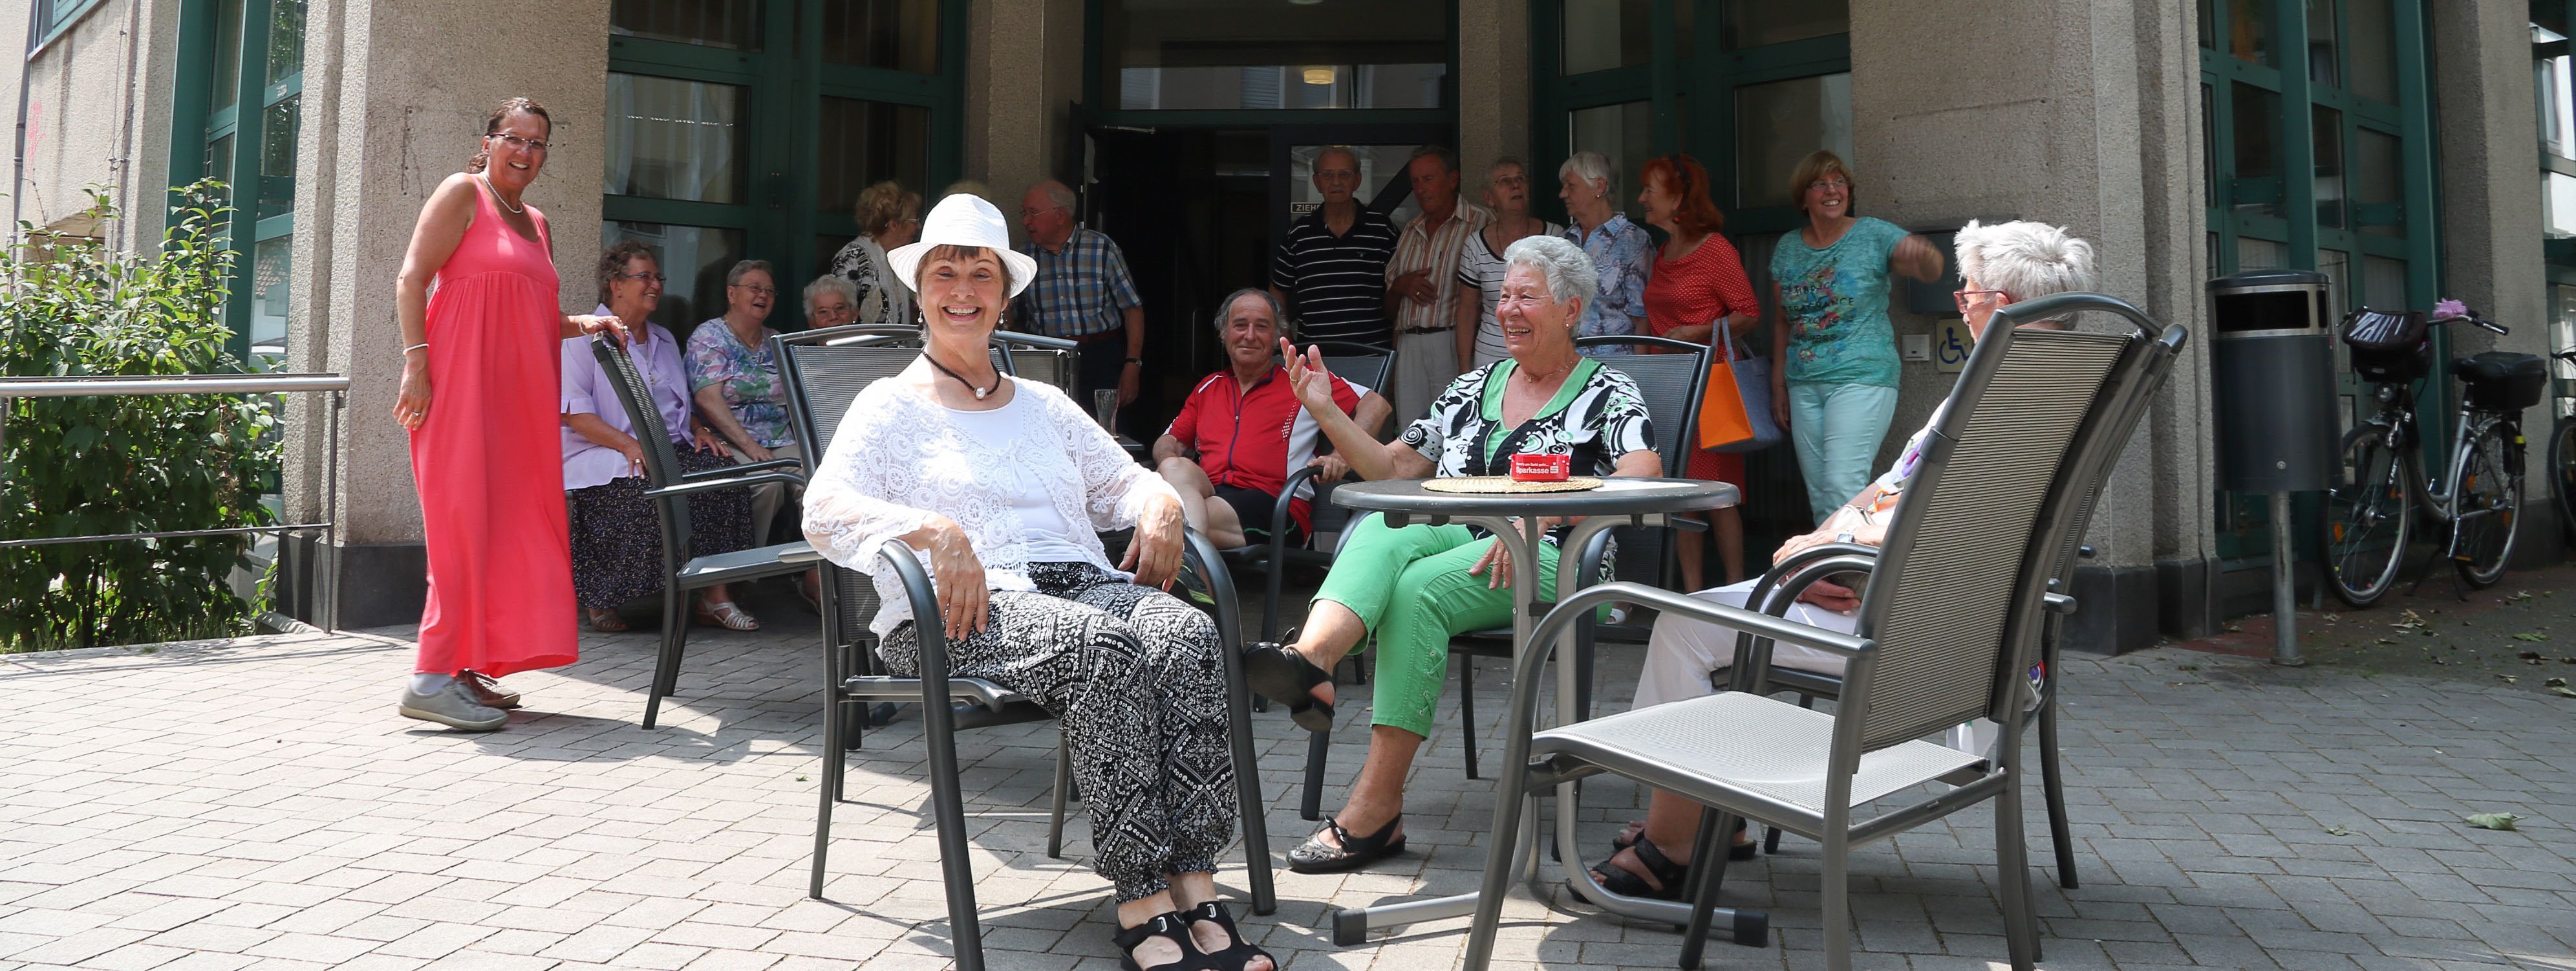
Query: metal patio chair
[[670, 489], [824, 372], [2089, 471], [1947, 628]]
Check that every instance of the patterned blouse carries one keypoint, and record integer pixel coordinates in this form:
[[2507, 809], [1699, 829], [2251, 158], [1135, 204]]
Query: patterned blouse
[[882, 301], [1596, 417], [1624, 256], [748, 377]]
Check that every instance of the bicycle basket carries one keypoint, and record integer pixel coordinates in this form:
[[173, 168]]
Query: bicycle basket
[[2383, 330]]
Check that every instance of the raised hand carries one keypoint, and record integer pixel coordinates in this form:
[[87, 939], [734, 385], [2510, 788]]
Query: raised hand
[[1308, 377]]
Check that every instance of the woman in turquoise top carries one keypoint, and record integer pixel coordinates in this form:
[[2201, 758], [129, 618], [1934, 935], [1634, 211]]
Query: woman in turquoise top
[[1833, 351]]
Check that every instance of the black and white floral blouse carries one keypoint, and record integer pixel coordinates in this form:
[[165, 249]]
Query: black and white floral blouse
[[1596, 417]]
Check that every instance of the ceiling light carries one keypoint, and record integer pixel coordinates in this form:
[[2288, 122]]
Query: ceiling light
[[1319, 75]]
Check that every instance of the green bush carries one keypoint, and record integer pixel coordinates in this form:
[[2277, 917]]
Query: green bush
[[80, 466]]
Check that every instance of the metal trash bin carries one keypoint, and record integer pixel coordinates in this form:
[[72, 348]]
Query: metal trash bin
[[2272, 382]]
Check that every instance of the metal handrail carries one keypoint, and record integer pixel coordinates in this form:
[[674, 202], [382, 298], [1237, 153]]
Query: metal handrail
[[113, 386]]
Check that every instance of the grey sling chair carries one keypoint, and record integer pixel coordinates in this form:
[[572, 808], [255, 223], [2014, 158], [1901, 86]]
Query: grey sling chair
[[670, 489], [824, 371], [1942, 638], [2090, 471], [1672, 383]]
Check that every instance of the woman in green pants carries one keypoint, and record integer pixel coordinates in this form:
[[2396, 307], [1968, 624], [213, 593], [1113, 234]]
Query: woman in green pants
[[1415, 587]]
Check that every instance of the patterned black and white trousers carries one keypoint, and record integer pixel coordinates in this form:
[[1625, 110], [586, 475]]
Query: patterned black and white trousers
[[1133, 677]]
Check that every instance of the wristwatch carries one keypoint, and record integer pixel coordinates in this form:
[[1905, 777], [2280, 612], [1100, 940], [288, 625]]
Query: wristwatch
[[1845, 537]]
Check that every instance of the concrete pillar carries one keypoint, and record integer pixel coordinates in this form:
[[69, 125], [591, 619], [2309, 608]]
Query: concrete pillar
[[1493, 86], [396, 97], [2073, 113], [2489, 140], [1023, 76], [98, 114]]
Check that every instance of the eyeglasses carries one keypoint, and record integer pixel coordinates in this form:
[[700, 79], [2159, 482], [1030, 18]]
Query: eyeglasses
[[523, 144], [1965, 297], [757, 289], [1832, 183], [655, 277]]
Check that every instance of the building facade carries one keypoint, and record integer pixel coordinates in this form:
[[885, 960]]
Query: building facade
[[2387, 143]]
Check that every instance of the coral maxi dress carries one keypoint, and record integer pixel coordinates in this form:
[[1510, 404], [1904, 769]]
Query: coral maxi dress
[[489, 459]]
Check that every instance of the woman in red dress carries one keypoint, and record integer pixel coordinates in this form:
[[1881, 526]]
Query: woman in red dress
[[486, 452], [1698, 280]]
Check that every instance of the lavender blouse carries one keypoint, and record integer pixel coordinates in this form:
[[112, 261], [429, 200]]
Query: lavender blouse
[[586, 391]]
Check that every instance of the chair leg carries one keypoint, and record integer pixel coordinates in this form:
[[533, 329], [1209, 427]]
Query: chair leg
[[2021, 931], [1707, 871], [1063, 784], [948, 806], [831, 784], [1311, 806], [1836, 894], [2054, 791], [1467, 710], [1501, 866], [675, 626]]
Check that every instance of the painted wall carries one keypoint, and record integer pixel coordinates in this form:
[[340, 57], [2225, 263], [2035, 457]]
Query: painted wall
[[98, 114]]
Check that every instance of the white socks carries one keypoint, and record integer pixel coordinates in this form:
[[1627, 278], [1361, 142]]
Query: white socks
[[426, 683]]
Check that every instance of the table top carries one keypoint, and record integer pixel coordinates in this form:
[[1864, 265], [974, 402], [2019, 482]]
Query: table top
[[1617, 496]]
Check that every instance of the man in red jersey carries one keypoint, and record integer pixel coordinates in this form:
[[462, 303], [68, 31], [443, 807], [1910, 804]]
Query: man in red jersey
[[1249, 432]]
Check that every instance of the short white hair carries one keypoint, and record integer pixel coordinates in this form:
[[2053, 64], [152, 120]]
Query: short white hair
[[1593, 166], [1569, 273], [2026, 260], [831, 283]]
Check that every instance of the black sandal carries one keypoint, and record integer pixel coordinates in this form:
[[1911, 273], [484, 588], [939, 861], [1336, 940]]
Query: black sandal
[[1619, 880], [1172, 927], [1736, 852], [1285, 676], [1312, 856], [1240, 954]]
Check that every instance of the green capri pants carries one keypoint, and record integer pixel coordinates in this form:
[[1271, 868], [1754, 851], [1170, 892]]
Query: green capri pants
[[1411, 587]]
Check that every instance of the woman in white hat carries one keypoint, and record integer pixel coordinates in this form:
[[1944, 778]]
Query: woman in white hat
[[1002, 485]]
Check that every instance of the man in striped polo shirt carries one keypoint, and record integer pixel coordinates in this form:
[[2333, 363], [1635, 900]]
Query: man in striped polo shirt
[[1331, 270]]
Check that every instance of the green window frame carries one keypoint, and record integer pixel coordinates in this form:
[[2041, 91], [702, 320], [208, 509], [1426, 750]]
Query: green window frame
[[785, 81], [2307, 212], [233, 54], [53, 17]]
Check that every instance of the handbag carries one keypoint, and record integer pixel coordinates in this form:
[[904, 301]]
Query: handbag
[[1735, 408]]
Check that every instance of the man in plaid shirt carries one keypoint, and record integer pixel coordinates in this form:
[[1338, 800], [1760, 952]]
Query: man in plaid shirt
[[1082, 293]]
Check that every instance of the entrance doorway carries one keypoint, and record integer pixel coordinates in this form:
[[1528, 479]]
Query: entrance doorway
[[1199, 212]]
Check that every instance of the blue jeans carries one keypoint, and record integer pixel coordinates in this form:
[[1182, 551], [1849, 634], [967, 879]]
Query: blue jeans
[[1837, 429]]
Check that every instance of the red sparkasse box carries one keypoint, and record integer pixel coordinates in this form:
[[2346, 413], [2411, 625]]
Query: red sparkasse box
[[1541, 468]]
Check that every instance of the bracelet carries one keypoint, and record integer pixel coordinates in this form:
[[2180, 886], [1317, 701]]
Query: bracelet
[[422, 346], [1138, 361]]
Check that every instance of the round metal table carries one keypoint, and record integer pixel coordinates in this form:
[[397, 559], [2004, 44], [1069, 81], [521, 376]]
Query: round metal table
[[1512, 517]]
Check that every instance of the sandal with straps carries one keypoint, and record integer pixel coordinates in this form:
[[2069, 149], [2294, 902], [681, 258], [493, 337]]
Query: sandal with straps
[[1737, 852], [1620, 880], [726, 614], [1170, 926], [1285, 676], [1313, 856], [1237, 956]]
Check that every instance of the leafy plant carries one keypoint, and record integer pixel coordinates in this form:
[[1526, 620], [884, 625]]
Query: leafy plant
[[128, 464]]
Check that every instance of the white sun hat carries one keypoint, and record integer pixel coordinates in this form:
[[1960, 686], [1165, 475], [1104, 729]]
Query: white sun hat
[[963, 220]]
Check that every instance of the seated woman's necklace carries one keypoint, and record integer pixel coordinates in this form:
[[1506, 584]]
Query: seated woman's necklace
[[1539, 377], [961, 379]]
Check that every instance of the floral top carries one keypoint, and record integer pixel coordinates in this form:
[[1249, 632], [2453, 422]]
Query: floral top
[[1836, 302], [882, 300], [748, 377], [1624, 256], [900, 457], [1596, 417]]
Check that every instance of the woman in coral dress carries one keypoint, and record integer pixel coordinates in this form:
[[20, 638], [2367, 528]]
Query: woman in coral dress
[[485, 451], [1699, 280]]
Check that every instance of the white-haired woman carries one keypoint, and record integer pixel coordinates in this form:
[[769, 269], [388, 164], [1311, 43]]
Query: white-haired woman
[[2002, 264], [1002, 485], [1622, 253], [1416, 586], [831, 301], [1480, 264]]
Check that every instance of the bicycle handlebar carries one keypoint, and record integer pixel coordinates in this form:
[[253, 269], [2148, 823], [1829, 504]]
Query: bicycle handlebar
[[2499, 330]]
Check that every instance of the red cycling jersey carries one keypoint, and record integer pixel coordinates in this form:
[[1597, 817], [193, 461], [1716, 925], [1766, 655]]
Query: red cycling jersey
[[1254, 438]]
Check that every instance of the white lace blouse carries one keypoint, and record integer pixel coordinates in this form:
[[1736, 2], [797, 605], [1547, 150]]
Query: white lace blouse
[[901, 457]]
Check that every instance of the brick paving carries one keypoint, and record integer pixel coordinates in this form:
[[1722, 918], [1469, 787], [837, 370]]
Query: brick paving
[[256, 803]]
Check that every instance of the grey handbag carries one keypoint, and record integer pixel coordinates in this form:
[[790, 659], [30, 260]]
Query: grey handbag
[[1753, 385]]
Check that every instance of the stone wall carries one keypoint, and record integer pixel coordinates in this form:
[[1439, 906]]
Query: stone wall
[[97, 114]]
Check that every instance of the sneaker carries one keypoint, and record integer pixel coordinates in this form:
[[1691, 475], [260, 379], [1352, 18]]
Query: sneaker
[[486, 691], [453, 706]]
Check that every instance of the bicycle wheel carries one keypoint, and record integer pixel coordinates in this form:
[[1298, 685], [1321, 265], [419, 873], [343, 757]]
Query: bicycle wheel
[[2562, 473], [2489, 503], [2366, 519]]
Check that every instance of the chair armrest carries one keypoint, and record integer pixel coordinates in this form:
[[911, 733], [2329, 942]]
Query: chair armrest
[[1779, 574], [710, 485], [2059, 604], [743, 469], [1279, 510], [801, 553]]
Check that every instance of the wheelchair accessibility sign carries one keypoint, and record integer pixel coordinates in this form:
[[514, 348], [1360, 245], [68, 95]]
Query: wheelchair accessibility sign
[[1950, 346]]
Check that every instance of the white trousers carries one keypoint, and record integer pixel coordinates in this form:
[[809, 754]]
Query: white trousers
[[1685, 654]]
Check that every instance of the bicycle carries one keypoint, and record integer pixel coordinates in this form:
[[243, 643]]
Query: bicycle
[[2562, 461], [2370, 515]]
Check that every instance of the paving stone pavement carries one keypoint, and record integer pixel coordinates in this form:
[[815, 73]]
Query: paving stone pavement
[[256, 803]]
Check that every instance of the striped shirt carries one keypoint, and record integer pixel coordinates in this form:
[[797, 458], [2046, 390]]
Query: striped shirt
[[1082, 291], [1435, 250], [1336, 285], [1481, 267]]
